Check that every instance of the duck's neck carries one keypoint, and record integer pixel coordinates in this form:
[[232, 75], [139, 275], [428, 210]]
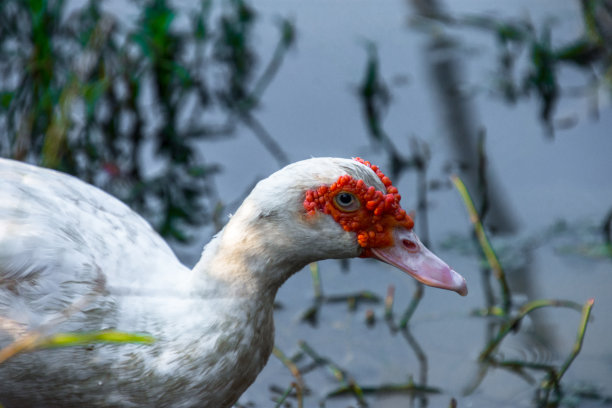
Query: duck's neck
[[247, 260], [233, 290]]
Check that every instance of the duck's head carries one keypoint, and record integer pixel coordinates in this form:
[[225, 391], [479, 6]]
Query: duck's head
[[324, 208]]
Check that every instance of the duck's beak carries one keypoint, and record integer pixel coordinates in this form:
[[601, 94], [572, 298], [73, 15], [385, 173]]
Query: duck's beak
[[411, 256]]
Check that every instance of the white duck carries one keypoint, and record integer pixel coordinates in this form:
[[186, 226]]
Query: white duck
[[73, 255]]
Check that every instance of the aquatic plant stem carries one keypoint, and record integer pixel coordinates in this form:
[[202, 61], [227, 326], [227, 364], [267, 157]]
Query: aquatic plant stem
[[339, 374], [483, 240], [389, 302], [523, 311], [283, 397], [586, 312], [409, 387], [414, 302], [316, 280], [295, 372], [607, 232]]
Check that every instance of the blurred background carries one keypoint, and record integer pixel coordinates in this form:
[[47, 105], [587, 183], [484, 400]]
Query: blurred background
[[179, 108]]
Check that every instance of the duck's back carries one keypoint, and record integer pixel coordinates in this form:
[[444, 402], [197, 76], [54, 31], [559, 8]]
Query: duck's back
[[64, 239], [72, 258]]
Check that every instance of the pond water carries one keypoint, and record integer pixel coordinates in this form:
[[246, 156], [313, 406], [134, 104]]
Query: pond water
[[558, 190]]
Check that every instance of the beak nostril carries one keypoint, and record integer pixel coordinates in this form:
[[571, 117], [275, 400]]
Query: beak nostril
[[410, 245]]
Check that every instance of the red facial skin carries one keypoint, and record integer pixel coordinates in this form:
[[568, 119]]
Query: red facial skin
[[374, 219]]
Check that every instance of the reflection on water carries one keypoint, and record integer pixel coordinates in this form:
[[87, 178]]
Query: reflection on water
[[543, 181]]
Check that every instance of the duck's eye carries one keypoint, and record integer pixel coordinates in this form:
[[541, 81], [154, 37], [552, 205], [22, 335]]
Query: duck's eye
[[346, 202]]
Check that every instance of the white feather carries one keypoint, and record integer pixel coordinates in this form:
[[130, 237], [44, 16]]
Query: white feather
[[67, 246]]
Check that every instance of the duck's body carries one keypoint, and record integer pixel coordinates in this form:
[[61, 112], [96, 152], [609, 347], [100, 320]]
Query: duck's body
[[64, 243], [72, 258]]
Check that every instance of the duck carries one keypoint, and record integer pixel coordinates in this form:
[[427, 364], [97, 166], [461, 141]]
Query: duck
[[75, 259]]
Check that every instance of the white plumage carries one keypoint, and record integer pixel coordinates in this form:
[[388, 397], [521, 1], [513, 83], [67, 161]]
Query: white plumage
[[73, 258]]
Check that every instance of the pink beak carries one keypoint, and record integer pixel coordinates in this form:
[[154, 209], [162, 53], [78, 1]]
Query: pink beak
[[411, 256]]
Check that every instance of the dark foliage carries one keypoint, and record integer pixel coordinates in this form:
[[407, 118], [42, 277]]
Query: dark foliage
[[123, 108], [516, 39]]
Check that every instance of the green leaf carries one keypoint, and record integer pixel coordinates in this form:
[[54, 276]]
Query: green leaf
[[288, 32], [200, 21], [92, 93], [6, 98], [580, 52], [104, 336], [511, 32]]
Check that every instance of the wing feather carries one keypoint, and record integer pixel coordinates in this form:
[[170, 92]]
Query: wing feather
[[62, 243]]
